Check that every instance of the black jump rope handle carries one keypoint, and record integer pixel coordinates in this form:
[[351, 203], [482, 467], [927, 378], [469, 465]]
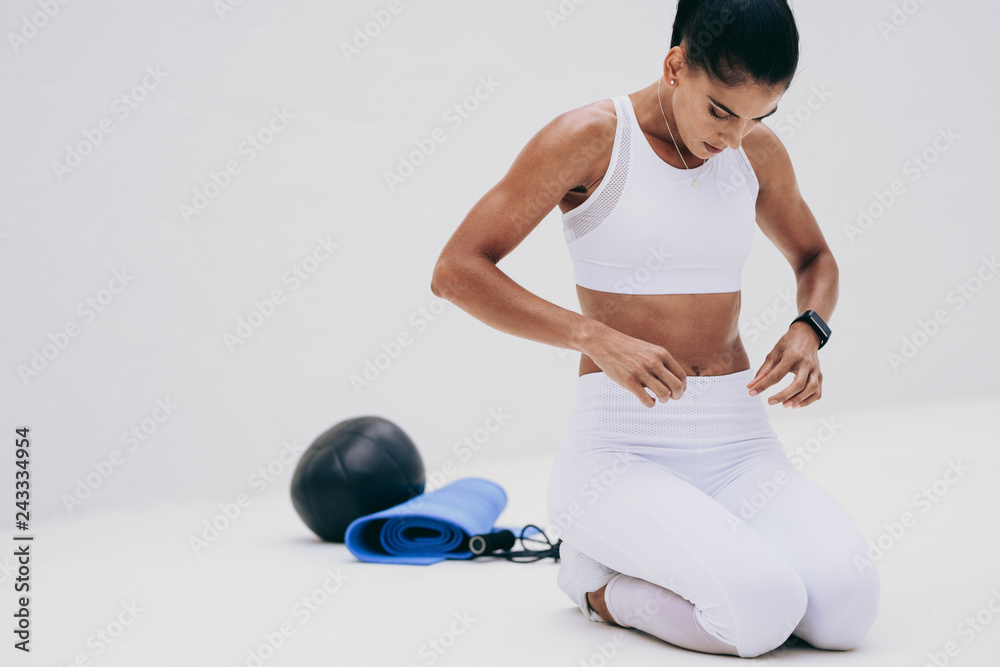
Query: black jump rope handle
[[481, 544]]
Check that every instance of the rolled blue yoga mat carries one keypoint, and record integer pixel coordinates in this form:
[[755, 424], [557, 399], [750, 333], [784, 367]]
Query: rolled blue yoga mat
[[428, 528]]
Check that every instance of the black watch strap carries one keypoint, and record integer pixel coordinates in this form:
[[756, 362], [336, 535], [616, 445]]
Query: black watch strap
[[816, 322]]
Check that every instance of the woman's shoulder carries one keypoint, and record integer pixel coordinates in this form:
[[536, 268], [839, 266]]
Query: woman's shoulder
[[583, 137], [595, 120], [767, 155]]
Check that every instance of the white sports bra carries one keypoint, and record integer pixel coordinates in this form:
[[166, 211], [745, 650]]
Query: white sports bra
[[646, 230]]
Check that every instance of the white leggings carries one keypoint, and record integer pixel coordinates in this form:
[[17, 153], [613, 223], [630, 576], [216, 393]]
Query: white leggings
[[697, 496]]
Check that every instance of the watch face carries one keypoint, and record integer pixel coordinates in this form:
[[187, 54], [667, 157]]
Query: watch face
[[820, 323]]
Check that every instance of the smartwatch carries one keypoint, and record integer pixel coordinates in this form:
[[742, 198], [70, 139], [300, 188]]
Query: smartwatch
[[817, 323]]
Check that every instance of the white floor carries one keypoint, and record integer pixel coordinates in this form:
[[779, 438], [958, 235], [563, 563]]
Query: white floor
[[211, 609]]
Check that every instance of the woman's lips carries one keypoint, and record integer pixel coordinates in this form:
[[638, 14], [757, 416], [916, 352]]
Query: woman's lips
[[712, 149]]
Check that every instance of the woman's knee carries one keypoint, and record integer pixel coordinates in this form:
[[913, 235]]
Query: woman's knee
[[767, 607], [842, 609]]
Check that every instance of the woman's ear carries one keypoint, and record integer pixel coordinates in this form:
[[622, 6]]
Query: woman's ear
[[674, 63]]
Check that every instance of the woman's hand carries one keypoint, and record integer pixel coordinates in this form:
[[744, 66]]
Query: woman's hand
[[636, 364], [795, 352]]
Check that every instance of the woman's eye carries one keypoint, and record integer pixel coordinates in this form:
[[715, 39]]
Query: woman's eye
[[718, 117]]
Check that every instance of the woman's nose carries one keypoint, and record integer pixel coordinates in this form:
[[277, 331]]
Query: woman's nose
[[733, 139], [729, 141]]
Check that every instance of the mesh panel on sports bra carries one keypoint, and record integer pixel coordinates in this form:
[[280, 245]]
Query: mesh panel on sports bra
[[608, 197], [747, 171], [709, 410]]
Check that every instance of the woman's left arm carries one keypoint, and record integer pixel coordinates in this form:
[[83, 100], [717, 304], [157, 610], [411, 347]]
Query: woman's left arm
[[786, 220]]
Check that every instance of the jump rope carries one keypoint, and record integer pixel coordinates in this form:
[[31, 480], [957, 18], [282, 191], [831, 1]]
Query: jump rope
[[498, 544]]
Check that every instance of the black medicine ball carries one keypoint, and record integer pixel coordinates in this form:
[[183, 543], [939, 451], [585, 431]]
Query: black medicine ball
[[358, 467]]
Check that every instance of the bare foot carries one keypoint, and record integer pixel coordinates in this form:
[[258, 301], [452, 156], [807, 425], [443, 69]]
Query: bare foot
[[596, 601]]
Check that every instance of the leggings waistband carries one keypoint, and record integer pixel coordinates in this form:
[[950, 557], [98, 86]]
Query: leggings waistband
[[713, 408]]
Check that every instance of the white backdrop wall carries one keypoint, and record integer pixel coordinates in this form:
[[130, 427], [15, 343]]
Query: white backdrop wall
[[220, 149]]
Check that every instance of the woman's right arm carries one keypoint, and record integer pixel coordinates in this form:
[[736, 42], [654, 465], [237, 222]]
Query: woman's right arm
[[564, 154]]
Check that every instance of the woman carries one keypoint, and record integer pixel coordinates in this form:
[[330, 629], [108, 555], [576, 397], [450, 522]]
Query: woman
[[680, 514]]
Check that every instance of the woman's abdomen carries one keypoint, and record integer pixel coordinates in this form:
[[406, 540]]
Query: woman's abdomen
[[700, 331]]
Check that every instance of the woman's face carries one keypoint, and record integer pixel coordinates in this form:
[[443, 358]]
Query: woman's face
[[708, 112]]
